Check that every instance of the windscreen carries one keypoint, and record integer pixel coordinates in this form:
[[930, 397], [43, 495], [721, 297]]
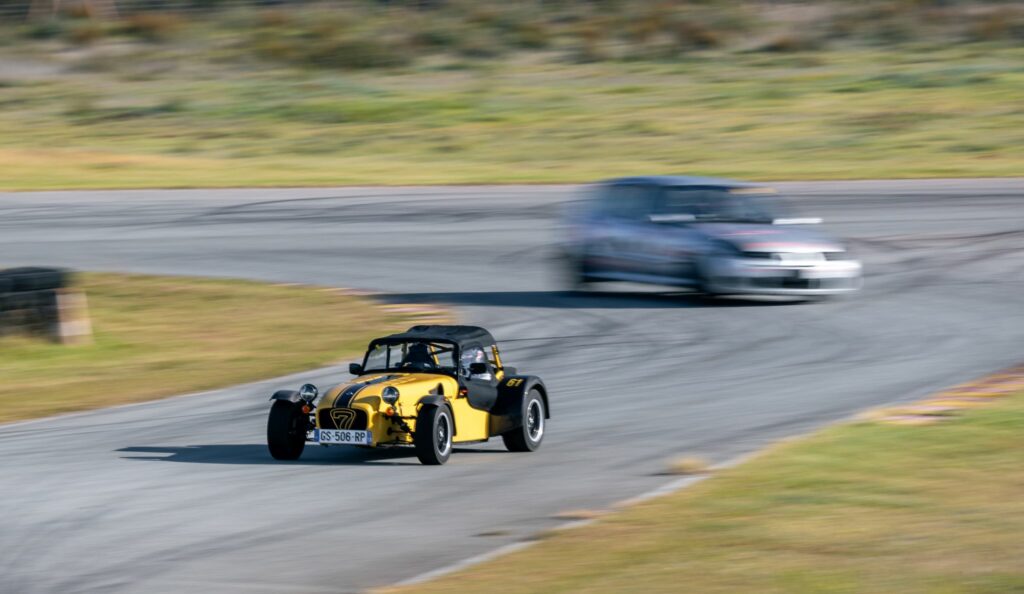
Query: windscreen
[[742, 205], [411, 356]]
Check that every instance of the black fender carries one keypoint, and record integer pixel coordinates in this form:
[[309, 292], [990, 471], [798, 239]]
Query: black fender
[[289, 395], [439, 400], [507, 413]]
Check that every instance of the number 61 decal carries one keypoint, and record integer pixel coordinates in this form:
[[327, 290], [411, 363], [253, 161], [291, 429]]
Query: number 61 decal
[[516, 381]]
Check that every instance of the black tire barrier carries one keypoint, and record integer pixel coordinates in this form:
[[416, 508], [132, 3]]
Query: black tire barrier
[[33, 278], [40, 301]]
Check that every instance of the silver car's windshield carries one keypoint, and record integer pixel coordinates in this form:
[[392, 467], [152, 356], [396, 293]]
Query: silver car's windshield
[[411, 356], [724, 204]]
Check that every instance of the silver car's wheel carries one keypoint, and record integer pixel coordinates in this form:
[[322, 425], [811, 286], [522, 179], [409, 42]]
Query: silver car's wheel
[[573, 273], [702, 280]]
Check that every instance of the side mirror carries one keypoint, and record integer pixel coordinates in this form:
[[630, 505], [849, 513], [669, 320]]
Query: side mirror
[[355, 369], [477, 368]]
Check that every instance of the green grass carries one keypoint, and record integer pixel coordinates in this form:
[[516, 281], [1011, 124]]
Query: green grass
[[860, 508], [161, 336], [189, 114]]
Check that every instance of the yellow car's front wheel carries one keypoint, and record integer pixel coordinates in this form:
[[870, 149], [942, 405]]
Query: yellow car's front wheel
[[286, 430], [433, 437]]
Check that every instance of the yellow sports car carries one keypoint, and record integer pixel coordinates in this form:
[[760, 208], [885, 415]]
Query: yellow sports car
[[429, 387]]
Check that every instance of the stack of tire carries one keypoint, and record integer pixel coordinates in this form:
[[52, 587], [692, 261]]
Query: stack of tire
[[28, 298]]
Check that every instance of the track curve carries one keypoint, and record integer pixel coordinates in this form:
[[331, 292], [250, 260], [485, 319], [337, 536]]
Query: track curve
[[181, 493]]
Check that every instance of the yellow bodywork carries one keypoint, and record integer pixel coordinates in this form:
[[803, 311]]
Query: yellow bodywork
[[364, 393]]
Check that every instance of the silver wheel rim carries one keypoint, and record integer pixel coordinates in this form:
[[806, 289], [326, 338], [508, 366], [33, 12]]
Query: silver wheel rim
[[444, 435], [534, 420]]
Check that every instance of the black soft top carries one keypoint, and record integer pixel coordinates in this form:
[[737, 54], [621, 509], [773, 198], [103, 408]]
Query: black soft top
[[460, 335]]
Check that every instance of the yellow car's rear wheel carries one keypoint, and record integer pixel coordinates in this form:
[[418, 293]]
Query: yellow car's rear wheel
[[527, 437]]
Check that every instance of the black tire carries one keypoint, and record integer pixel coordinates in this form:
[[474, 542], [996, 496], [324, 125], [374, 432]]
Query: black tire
[[286, 430], [574, 274], [527, 438], [702, 283], [433, 437], [34, 278]]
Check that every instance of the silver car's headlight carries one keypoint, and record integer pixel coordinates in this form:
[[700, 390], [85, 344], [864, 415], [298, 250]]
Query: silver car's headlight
[[389, 394]]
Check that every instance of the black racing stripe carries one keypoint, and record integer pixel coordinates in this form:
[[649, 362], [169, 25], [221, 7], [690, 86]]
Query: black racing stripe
[[350, 392]]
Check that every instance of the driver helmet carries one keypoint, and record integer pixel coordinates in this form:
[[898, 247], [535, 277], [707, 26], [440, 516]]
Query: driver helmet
[[418, 356], [475, 355]]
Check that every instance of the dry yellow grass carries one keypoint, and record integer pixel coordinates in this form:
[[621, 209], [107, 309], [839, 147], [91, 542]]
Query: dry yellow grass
[[161, 336], [861, 508]]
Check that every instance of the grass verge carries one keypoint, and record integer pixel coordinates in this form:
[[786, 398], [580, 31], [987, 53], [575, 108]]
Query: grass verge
[[161, 336], [202, 108], [858, 508]]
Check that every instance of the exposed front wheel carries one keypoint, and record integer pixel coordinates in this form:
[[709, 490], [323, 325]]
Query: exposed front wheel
[[286, 430], [527, 437], [433, 437]]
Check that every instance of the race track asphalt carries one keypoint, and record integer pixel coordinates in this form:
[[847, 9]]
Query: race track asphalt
[[181, 494]]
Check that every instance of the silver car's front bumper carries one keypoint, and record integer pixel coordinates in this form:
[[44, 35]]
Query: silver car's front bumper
[[763, 277]]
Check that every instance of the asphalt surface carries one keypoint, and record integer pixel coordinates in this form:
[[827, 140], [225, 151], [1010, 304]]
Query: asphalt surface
[[181, 493]]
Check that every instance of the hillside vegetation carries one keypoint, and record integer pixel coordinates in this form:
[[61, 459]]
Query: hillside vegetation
[[474, 92]]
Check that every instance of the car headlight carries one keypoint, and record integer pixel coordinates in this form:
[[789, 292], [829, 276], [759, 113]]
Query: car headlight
[[308, 392], [389, 394]]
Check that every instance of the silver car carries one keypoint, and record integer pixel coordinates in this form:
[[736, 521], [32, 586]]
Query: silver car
[[717, 236]]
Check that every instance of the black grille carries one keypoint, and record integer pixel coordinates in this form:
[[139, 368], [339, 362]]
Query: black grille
[[328, 418], [798, 283]]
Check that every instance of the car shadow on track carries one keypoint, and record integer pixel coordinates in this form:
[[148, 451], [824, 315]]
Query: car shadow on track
[[256, 454], [581, 300]]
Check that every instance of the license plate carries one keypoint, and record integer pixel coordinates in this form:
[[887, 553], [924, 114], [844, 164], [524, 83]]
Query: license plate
[[341, 436]]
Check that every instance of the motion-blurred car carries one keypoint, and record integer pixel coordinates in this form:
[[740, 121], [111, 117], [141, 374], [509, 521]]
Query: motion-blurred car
[[713, 235], [429, 387]]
